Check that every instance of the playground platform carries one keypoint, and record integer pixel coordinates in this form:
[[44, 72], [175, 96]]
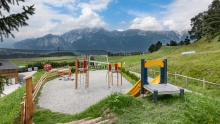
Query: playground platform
[[163, 88]]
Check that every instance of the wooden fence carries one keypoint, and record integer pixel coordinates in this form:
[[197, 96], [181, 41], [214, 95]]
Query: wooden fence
[[27, 106], [203, 81]]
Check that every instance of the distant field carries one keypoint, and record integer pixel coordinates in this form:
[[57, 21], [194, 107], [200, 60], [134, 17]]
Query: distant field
[[203, 64], [24, 61]]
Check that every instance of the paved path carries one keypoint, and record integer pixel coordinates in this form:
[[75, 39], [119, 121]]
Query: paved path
[[12, 87], [139, 75]]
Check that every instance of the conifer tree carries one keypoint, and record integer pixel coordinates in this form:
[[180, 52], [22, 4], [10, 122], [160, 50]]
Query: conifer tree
[[12, 22], [206, 23], [187, 40], [158, 45], [152, 48]]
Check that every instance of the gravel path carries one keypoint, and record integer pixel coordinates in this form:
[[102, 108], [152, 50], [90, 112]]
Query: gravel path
[[61, 96]]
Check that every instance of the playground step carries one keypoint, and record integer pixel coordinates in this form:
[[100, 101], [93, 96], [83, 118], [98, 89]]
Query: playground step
[[89, 121]]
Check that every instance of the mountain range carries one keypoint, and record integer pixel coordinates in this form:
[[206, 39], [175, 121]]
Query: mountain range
[[131, 40]]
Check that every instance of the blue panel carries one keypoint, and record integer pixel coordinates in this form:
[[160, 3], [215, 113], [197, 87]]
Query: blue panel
[[161, 75], [146, 76], [142, 75], [165, 71]]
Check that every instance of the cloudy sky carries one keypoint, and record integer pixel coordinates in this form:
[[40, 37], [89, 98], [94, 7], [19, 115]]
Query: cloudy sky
[[60, 16]]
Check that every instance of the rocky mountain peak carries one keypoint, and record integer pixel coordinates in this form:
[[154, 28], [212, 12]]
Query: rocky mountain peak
[[98, 38]]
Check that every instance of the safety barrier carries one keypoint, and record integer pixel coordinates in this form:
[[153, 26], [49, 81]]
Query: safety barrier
[[27, 106], [204, 82]]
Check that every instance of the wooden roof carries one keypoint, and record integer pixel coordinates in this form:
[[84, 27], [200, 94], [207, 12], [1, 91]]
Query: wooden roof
[[5, 64]]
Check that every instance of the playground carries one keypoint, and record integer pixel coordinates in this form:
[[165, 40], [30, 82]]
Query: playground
[[73, 93], [59, 95]]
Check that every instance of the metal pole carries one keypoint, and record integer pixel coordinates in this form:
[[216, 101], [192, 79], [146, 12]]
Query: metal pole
[[155, 96], [142, 77]]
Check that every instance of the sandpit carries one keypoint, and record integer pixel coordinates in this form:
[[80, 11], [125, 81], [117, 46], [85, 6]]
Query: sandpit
[[60, 96]]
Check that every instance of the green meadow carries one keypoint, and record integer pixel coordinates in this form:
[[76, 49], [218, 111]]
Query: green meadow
[[199, 106]]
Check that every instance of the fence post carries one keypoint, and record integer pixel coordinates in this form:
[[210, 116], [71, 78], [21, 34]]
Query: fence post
[[175, 75], [29, 102], [203, 82], [186, 80], [22, 113], [57, 72]]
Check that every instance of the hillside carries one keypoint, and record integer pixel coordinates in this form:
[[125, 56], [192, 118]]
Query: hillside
[[203, 64]]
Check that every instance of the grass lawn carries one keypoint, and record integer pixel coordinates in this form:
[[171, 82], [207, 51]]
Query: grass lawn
[[193, 108]]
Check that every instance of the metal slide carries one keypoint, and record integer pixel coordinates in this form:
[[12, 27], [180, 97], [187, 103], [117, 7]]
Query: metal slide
[[135, 90]]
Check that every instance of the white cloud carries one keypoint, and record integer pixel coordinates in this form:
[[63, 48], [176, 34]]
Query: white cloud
[[41, 23], [146, 23], [59, 2], [168, 22], [176, 16], [179, 26], [122, 22], [87, 19], [180, 12], [95, 4], [138, 14], [120, 30]]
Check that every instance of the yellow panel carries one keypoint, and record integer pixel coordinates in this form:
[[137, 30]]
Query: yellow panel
[[119, 64], [135, 90], [153, 63]]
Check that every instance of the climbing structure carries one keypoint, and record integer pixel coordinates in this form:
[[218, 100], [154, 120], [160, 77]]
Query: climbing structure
[[82, 73], [158, 88], [116, 70]]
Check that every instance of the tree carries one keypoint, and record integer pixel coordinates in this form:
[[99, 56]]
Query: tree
[[13, 21], [173, 43], [158, 45], [181, 43], [187, 40], [197, 27], [3, 81], [151, 48], [206, 23], [212, 19]]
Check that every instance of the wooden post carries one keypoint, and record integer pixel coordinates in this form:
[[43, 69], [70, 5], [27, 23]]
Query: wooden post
[[112, 78], [76, 74], [186, 80], [87, 79], [108, 78], [203, 82], [117, 77], [57, 73], [175, 75], [121, 73], [32, 86], [29, 97], [22, 113], [88, 66]]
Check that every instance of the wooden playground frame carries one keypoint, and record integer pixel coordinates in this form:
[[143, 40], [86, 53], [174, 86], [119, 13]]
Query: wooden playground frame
[[116, 70], [83, 70]]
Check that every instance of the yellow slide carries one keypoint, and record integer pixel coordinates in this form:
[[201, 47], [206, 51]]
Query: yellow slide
[[135, 90]]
